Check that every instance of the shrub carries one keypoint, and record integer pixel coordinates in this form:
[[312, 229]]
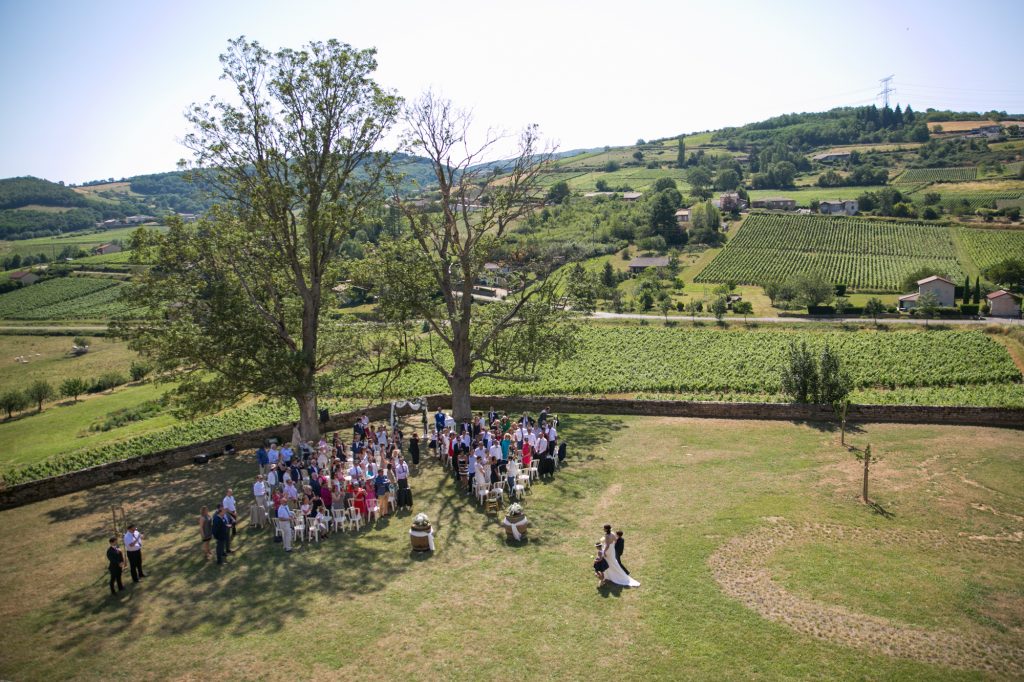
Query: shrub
[[107, 381], [139, 370], [969, 308]]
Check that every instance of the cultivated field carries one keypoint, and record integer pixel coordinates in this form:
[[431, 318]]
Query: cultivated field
[[866, 255], [755, 557], [64, 298], [915, 175], [988, 247]]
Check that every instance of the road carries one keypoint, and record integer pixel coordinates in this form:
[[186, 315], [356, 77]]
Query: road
[[805, 319]]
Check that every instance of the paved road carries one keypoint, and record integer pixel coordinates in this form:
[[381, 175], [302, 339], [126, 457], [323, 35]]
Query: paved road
[[804, 319]]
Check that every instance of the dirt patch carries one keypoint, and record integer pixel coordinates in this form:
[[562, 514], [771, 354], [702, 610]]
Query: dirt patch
[[739, 567]]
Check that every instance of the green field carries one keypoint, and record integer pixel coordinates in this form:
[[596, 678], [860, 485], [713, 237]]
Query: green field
[[718, 362], [988, 247], [866, 255], [914, 175], [52, 246], [64, 298], [755, 557], [805, 196], [48, 359]]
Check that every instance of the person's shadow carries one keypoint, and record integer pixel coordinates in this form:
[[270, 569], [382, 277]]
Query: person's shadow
[[610, 589]]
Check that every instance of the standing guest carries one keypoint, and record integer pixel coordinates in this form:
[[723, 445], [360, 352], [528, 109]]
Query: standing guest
[[284, 520], [287, 453], [402, 478], [494, 452], [291, 493], [440, 421], [133, 548], [205, 530], [414, 449], [259, 491], [512, 474], [231, 509], [220, 531], [272, 455], [115, 564], [272, 478], [381, 487], [296, 434], [506, 446], [325, 495], [262, 459]]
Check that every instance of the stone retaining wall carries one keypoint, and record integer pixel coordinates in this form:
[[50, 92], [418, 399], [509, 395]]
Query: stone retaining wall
[[33, 491]]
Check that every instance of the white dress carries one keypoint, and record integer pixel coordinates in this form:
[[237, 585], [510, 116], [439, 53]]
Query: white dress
[[614, 572]]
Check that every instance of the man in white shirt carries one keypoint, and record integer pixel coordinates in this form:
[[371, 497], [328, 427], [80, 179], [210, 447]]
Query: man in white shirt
[[259, 491], [495, 451], [272, 455], [284, 521], [229, 507], [133, 550], [290, 492]]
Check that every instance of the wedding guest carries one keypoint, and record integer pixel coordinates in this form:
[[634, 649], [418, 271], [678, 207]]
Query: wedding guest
[[115, 564], [205, 530], [133, 548]]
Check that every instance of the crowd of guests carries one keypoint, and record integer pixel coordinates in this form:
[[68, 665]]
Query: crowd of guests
[[310, 482], [491, 452]]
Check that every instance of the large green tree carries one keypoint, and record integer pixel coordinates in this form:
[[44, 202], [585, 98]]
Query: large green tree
[[236, 301], [427, 277]]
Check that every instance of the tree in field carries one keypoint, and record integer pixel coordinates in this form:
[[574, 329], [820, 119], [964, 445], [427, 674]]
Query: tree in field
[[743, 308], [602, 185], [834, 384], [81, 342], [38, 392], [427, 275], [236, 300], [967, 289], [927, 304], [665, 183], [874, 307], [73, 387], [664, 305], [719, 307], [693, 306], [800, 374], [700, 180], [681, 154], [814, 289], [581, 288], [977, 291], [558, 192], [608, 278], [662, 218], [1008, 272], [12, 401], [727, 180]]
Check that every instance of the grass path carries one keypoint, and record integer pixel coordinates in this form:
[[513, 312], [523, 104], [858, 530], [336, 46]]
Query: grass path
[[682, 489]]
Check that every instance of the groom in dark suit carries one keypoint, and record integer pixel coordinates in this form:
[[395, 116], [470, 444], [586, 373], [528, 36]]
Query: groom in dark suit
[[620, 547]]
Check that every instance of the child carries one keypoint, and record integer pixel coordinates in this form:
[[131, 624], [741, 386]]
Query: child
[[600, 564]]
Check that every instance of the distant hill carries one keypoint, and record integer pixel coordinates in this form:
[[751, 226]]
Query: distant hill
[[32, 207]]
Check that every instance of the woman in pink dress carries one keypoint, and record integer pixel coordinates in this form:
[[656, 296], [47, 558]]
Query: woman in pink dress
[[371, 497], [359, 501], [527, 454]]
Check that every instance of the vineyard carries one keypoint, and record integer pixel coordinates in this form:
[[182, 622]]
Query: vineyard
[[972, 201], [64, 298], [864, 254], [913, 175], [988, 247], [701, 361]]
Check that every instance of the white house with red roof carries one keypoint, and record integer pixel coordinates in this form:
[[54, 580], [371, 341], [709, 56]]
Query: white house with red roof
[[944, 290], [1003, 304]]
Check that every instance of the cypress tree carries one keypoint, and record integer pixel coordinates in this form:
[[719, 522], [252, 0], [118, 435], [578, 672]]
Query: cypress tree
[[967, 289], [681, 154], [977, 291]]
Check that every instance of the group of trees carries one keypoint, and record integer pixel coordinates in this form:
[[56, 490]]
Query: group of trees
[[860, 175], [41, 391], [808, 289], [806, 379], [237, 301]]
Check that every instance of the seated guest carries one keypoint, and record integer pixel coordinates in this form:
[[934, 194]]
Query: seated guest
[[290, 492]]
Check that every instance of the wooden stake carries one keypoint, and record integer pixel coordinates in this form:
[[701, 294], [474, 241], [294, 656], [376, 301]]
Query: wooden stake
[[867, 467]]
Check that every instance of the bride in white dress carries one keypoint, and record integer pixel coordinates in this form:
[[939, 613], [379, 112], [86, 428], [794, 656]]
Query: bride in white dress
[[614, 572]]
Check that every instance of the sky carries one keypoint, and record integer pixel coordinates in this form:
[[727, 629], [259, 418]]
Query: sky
[[98, 89]]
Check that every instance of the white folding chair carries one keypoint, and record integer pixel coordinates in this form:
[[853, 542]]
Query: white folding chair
[[372, 510], [314, 530], [299, 525], [355, 518], [338, 518], [392, 501]]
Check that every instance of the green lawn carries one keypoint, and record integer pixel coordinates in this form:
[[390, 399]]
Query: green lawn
[[64, 427], [685, 491], [48, 359]]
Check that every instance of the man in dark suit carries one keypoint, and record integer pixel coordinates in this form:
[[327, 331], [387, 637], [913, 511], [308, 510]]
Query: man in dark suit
[[115, 561], [221, 532], [620, 547]]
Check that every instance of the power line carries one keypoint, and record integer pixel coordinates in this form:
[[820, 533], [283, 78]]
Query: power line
[[886, 90]]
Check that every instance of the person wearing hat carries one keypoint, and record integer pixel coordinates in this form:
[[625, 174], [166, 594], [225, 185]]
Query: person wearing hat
[[133, 549], [115, 561]]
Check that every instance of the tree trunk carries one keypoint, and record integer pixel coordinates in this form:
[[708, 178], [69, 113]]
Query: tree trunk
[[867, 467], [309, 420], [461, 408]]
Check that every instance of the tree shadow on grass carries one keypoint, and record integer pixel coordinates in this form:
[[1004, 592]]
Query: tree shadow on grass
[[830, 426]]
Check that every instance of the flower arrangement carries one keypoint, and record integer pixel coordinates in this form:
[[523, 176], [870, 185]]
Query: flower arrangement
[[514, 509], [421, 520]]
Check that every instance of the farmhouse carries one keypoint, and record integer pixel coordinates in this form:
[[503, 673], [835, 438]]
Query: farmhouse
[[638, 265], [104, 249], [625, 196], [138, 219], [24, 278], [731, 201], [943, 289], [775, 204], [1003, 304], [683, 216], [847, 207]]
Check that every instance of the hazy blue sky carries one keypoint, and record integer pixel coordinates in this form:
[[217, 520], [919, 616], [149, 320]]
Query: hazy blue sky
[[97, 89]]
